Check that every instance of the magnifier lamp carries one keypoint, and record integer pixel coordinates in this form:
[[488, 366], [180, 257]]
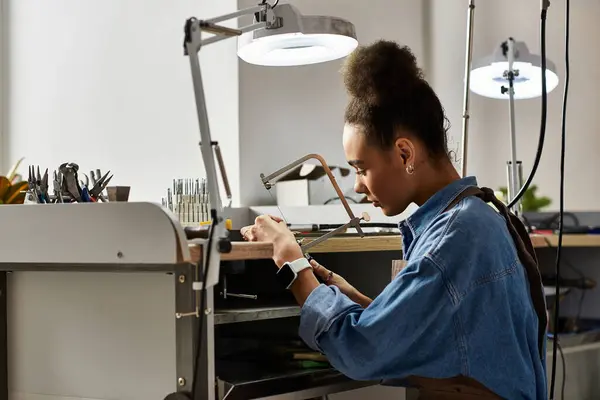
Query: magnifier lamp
[[279, 36], [512, 73], [295, 39]]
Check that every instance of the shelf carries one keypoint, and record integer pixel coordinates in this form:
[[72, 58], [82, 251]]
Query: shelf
[[294, 385], [254, 314], [257, 250]]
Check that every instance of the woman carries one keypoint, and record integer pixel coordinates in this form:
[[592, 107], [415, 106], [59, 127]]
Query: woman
[[461, 306]]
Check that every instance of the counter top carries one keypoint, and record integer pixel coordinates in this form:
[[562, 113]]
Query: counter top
[[257, 250]]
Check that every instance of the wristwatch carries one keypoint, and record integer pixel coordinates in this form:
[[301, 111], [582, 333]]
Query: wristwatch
[[288, 273]]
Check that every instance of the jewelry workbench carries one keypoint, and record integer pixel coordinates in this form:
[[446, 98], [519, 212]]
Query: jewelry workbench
[[144, 238]]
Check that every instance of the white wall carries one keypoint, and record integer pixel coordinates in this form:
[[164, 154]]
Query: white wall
[[286, 113], [105, 84], [3, 80], [305, 105]]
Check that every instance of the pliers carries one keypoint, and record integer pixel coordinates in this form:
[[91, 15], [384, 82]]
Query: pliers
[[43, 185], [58, 187], [99, 186], [38, 185], [70, 180]]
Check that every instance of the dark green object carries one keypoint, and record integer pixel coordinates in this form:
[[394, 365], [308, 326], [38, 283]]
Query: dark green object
[[529, 200]]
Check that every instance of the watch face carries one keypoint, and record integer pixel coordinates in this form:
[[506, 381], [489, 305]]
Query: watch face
[[285, 275]]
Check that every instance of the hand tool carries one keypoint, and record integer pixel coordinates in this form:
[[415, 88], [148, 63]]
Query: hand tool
[[96, 176], [85, 195], [270, 180], [70, 181], [354, 222], [57, 183], [33, 184], [189, 201], [225, 293], [84, 182], [43, 186], [100, 185], [38, 185]]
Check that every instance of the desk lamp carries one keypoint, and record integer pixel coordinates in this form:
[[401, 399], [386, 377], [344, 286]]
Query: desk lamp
[[512, 73], [279, 36]]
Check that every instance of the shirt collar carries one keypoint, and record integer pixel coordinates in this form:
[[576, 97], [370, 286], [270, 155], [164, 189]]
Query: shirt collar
[[435, 205]]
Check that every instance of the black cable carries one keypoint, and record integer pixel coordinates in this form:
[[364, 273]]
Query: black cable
[[581, 276], [201, 315], [562, 192], [540, 148], [564, 369]]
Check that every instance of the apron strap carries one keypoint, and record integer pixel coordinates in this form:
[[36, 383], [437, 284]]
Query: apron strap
[[525, 251]]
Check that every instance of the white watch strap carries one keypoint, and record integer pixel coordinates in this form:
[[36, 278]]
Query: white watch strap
[[299, 265]]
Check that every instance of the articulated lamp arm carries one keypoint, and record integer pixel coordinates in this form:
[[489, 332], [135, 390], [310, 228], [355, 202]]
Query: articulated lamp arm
[[193, 43]]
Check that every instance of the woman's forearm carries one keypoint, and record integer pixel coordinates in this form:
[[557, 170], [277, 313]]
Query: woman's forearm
[[360, 299], [305, 283]]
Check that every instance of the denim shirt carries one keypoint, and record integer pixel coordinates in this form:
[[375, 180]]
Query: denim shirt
[[460, 306]]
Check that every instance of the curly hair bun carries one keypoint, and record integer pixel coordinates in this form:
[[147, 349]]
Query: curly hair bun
[[381, 73]]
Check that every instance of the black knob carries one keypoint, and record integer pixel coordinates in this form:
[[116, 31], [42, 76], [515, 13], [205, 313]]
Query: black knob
[[224, 246]]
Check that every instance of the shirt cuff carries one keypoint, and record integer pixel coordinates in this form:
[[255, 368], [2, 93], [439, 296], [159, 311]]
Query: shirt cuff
[[320, 310]]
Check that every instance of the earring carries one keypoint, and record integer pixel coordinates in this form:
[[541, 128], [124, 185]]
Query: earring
[[410, 169]]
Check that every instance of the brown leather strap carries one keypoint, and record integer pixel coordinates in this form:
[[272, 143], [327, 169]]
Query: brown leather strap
[[525, 251], [456, 388]]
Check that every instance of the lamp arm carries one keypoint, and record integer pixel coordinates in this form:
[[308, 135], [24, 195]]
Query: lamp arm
[[217, 149], [236, 14], [468, 61], [193, 43], [268, 184], [222, 32]]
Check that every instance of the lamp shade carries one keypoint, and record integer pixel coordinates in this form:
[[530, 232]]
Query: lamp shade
[[299, 40], [488, 75]]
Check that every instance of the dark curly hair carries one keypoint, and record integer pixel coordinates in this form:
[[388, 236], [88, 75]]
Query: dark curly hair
[[388, 91]]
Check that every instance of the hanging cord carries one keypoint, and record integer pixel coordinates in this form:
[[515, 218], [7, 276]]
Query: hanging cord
[[564, 366], [582, 277], [564, 373], [540, 148], [562, 194]]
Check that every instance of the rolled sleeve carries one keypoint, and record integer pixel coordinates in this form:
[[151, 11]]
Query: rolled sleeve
[[320, 310], [403, 332]]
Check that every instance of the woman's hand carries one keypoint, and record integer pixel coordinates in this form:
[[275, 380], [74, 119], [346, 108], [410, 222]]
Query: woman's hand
[[333, 279], [274, 230]]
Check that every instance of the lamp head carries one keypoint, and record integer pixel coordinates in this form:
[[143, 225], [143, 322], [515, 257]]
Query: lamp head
[[489, 74], [291, 38]]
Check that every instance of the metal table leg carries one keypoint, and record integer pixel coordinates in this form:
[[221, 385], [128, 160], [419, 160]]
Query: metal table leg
[[186, 327]]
